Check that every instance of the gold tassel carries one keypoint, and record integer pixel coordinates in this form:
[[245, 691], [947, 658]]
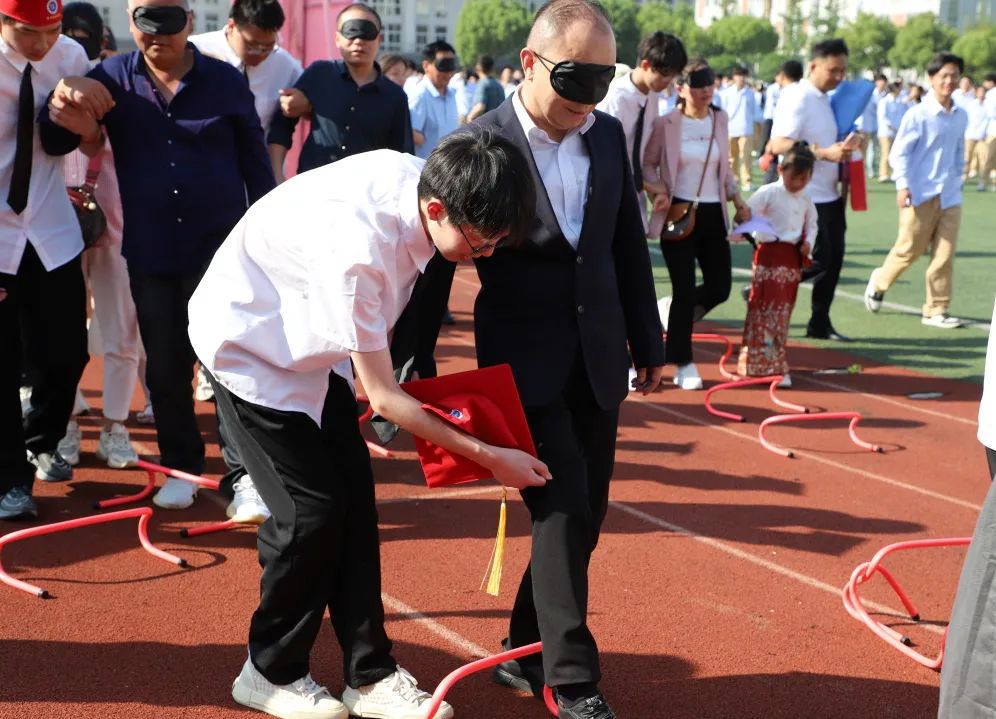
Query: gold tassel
[[492, 579]]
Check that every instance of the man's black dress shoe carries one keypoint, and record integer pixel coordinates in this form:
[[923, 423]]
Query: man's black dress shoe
[[594, 707], [827, 334], [525, 678]]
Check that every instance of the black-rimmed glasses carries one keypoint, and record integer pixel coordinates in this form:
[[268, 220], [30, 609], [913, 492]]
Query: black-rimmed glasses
[[478, 250]]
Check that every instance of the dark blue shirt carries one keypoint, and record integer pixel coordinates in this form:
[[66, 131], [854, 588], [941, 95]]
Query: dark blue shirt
[[187, 169], [346, 119]]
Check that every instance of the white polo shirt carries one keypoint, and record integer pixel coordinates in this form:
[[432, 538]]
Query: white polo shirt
[[280, 69], [624, 102], [48, 222], [987, 408], [320, 267], [804, 113]]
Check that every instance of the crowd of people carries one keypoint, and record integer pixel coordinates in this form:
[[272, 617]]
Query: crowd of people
[[286, 283]]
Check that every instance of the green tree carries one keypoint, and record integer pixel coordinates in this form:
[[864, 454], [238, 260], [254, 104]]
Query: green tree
[[679, 20], [769, 65], [825, 19], [491, 27], [622, 13], [744, 38], [922, 37], [793, 28], [977, 48], [869, 38]]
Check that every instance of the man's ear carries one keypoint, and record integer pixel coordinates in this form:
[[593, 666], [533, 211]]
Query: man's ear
[[435, 210]]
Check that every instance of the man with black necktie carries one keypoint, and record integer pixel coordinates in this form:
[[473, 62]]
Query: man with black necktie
[[42, 293], [563, 309]]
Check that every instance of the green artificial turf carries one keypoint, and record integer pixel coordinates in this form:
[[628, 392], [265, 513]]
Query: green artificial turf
[[891, 336]]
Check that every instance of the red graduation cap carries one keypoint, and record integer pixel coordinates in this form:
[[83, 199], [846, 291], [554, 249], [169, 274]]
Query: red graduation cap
[[37, 13], [483, 403]]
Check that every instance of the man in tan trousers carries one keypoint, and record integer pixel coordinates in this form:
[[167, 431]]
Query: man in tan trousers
[[927, 159]]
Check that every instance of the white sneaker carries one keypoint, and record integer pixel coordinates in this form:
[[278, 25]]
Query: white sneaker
[[687, 377], [786, 382], [664, 308], [247, 507], [302, 699], [873, 297], [146, 416], [69, 446], [394, 697], [943, 321], [115, 447], [175, 494], [25, 393], [204, 391]]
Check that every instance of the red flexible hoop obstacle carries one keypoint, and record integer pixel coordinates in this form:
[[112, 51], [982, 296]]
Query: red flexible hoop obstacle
[[865, 571], [486, 663], [143, 514]]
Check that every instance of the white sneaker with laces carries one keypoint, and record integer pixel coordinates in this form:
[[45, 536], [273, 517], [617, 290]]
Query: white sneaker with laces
[[302, 699], [146, 416], [204, 391], [873, 296], [69, 446], [115, 447], [247, 507], [786, 382], [394, 697], [175, 494], [944, 321], [664, 309], [687, 377]]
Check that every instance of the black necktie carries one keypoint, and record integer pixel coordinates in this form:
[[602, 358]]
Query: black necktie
[[20, 178], [637, 141]]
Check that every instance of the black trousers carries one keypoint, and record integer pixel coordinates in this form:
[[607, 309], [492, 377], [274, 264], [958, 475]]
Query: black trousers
[[991, 459], [43, 321], [438, 280], [771, 174], [321, 547], [161, 305], [577, 440], [828, 260], [707, 244]]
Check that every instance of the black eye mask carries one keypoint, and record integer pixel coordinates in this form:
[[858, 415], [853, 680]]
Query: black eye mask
[[361, 29], [581, 82], [160, 19], [703, 77], [445, 64]]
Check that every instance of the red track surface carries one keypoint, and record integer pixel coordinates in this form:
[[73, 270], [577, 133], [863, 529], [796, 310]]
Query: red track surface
[[715, 588]]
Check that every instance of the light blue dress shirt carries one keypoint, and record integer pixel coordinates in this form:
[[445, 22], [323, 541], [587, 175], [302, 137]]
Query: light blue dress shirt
[[928, 154], [434, 115], [742, 109], [771, 93], [890, 113]]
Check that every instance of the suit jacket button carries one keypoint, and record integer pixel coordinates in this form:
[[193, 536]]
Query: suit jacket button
[[580, 309], [580, 260]]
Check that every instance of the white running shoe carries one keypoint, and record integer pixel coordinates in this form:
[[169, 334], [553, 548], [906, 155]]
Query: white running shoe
[[302, 699], [394, 697], [687, 377], [204, 391], [115, 447], [943, 321], [69, 446], [873, 297], [146, 416], [25, 393], [175, 494], [247, 507], [664, 308], [786, 382]]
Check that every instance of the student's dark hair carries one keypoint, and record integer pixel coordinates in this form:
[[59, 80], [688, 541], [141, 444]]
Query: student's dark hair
[[264, 14], [792, 69], [484, 182], [990, 77], [895, 85], [833, 47], [665, 52], [359, 6], [739, 70], [944, 58], [386, 62], [430, 50], [798, 158], [696, 63], [881, 77], [486, 63], [83, 17]]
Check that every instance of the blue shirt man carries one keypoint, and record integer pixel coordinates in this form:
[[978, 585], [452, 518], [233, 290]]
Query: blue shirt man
[[433, 103], [928, 154], [740, 105]]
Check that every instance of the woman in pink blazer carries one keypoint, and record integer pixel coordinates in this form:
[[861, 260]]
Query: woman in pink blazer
[[687, 159]]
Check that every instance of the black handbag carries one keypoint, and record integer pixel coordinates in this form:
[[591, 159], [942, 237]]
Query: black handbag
[[93, 222]]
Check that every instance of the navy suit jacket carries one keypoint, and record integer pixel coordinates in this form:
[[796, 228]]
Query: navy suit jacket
[[543, 302]]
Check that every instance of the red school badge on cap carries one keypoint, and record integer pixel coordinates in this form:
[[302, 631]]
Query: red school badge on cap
[[483, 403], [37, 13]]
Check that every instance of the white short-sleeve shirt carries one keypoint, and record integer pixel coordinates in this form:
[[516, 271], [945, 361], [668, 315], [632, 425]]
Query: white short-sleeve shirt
[[280, 69], [804, 113], [320, 267], [48, 222], [791, 214], [987, 408]]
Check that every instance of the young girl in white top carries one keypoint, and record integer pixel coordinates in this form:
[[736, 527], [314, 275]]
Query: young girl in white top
[[778, 263]]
